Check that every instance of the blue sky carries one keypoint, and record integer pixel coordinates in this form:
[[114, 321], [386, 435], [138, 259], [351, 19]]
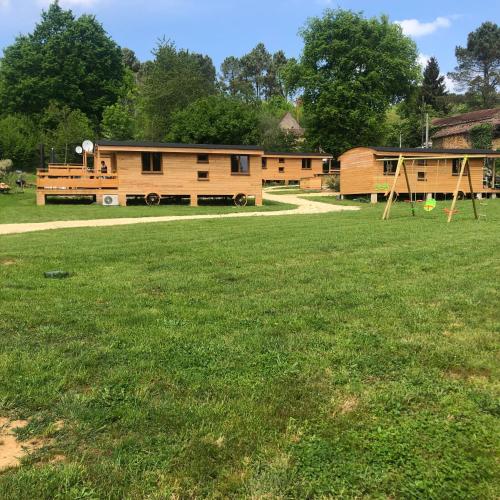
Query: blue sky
[[232, 27]]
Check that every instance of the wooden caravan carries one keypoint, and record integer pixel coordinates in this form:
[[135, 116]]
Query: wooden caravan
[[153, 171], [292, 167], [123, 171], [371, 170]]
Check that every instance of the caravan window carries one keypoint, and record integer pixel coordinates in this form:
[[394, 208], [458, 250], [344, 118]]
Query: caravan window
[[151, 163], [456, 165], [240, 164], [390, 167]]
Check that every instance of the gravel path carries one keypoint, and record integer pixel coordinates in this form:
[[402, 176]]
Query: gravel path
[[304, 207]]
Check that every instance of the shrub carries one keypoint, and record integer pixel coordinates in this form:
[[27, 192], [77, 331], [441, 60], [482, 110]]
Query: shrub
[[481, 136], [333, 183]]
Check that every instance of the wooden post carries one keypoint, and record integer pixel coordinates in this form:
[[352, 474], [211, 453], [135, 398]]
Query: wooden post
[[122, 199], [472, 194], [409, 190], [465, 161], [194, 200], [40, 197], [387, 209], [258, 199]]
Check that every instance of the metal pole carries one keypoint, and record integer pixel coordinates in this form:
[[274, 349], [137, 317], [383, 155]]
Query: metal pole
[[426, 130]]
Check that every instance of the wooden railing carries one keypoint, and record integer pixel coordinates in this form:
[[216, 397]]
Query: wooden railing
[[74, 177]]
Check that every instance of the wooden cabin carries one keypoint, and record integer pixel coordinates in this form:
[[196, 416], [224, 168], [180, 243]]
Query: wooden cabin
[[157, 170], [154, 171], [291, 168], [370, 171]]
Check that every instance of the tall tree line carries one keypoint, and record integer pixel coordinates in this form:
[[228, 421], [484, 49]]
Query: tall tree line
[[356, 82]]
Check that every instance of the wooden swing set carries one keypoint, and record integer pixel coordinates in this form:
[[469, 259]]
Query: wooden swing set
[[449, 211]]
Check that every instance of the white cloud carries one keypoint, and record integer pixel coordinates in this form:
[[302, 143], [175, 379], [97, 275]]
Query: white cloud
[[4, 4], [413, 27], [423, 59], [450, 85]]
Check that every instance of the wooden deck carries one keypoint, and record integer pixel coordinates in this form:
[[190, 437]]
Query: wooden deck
[[73, 180]]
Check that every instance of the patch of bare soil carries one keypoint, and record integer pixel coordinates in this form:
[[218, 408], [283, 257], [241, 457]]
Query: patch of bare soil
[[7, 262], [349, 405], [478, 375], [11, 449], [346, 406]]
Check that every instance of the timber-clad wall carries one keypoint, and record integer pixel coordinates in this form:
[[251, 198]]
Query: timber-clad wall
[[293, 168], [179, 176], [361, 173]]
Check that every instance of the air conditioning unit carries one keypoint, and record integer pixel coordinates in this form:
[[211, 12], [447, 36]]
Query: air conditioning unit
[[110, 200]]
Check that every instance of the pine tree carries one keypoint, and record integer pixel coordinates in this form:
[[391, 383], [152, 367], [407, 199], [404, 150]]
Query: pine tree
[[433, 89], [478, 68]]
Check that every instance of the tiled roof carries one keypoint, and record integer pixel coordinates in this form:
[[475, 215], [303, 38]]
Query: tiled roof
[[474, 116]]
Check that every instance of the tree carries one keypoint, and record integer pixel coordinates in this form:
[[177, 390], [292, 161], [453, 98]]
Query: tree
[[19, 139], [232, 80], [433, 89], [130, 60], [256, 75], [478, 69], [63, 129], [118, 122], [351, 70], [175, 79], [273, 138], [66, 59], [215, 120]]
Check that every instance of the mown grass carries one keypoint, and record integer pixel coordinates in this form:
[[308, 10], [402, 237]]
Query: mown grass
[[333, 355], [21, 207]]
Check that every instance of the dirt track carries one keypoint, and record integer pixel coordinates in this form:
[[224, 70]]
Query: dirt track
[[304, 207]]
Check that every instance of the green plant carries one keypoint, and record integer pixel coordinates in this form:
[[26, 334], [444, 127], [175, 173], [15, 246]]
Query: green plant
[[481, 136], [333, 183], [5, 167]]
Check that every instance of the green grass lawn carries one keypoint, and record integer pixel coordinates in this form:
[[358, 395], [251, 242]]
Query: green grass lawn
[[333, 355], [21, 207]]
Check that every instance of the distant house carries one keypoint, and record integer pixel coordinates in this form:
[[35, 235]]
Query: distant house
[[454, 132], [289, 124]]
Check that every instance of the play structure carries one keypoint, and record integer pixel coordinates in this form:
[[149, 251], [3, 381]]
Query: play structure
[[369, 172], [430, 202]]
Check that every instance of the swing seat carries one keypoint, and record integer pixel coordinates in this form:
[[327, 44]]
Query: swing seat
[[449, 211]]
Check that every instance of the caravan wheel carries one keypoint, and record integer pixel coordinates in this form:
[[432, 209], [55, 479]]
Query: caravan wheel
[[152, 199], [240, 200]]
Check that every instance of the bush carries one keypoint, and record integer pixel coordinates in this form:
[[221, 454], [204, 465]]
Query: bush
[[333, 183], [19, 141], [5, 167], [481, 136]]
